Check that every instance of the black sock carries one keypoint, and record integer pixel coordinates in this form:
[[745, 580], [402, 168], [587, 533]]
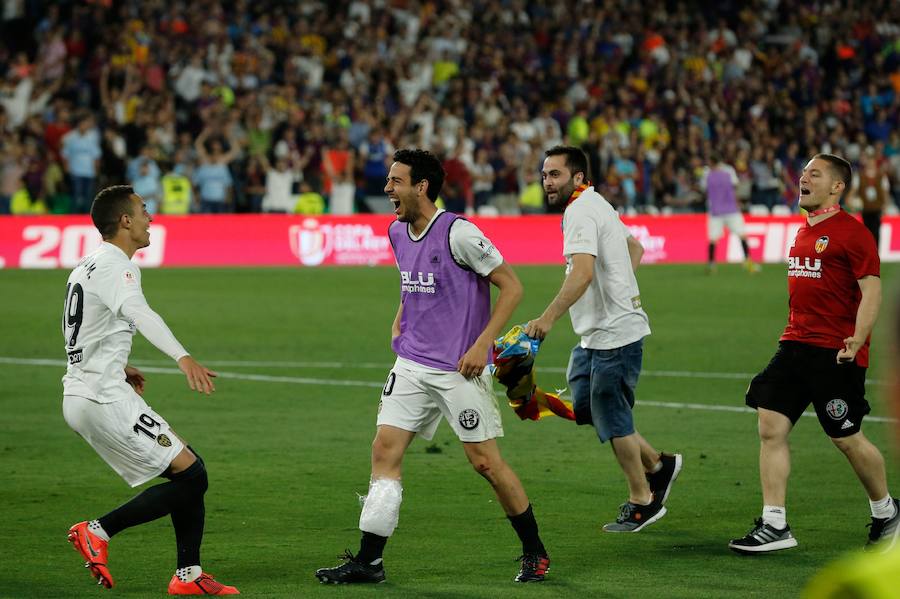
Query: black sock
[[188, 522], [526, 527], [182, 497], [371, 547], [746, 248], [712, 253]]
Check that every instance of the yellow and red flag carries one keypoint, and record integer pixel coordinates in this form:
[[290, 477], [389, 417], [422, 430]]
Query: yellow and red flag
[[513, 367]]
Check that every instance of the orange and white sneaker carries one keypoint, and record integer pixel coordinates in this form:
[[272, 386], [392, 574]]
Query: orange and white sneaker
[[94, 550], [204, 585]]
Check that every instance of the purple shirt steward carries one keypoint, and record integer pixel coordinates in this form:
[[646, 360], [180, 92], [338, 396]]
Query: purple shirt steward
[[720, 182], [446, 306]]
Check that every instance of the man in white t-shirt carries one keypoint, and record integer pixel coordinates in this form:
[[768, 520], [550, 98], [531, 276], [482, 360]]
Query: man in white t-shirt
[[601, 295], [102, 396]]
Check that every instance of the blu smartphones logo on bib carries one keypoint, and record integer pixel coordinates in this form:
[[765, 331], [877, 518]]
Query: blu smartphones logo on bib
[[422, 283]]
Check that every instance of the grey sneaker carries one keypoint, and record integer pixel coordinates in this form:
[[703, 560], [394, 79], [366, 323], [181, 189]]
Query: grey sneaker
[[884, 532], [633, 517], [763, 538]]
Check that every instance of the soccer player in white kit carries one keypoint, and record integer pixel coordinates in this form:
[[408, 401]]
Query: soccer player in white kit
[[102, 397]]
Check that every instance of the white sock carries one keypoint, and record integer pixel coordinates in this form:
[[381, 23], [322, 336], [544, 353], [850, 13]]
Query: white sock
[[97, 530], [189, 574], [883, 508], [657, 467], [775, 516]]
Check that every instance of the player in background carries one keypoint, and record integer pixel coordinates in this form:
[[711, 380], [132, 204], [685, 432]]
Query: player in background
[[102, 397], [442, 335], [601, 294], [719, 183], [834, 289]]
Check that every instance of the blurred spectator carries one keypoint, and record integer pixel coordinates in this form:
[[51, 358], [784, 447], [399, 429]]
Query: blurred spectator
[[280, 180], [146, 183], [375, 154], [870, 192], [81, 156], [482, 178], [12, 169], [177, 193], [338, 171], [212, 178], [650, 91], [457, 190], [766, 185], [255, 182], [309, 201], [531, 200]]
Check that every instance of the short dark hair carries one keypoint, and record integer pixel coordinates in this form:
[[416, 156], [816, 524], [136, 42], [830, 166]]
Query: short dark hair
[[576, 160], [840, 168], [109, 206], [423, 165]]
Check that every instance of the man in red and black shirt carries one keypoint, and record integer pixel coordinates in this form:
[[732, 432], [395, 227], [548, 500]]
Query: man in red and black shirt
[[834, 288]]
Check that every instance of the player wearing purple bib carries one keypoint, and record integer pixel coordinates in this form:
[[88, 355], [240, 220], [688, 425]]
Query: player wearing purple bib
[[442, 336]]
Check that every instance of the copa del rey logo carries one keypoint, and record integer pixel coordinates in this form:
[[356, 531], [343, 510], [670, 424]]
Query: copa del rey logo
[[315, 242]]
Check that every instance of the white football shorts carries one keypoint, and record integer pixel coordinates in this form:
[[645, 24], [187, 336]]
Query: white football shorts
[[133, 439], [716, 224], [415, 400]]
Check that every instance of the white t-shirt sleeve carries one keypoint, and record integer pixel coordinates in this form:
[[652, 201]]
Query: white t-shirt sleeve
[[470, 247], [152, 327], [580, 231]]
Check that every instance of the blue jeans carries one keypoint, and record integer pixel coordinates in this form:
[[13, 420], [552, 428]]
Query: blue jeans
[[82, 194], [602, 383]]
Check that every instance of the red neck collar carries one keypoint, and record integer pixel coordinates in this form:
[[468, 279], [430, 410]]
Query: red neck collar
[[821, 211]]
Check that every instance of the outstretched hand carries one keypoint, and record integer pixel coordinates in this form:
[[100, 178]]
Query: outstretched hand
[[199, 377]]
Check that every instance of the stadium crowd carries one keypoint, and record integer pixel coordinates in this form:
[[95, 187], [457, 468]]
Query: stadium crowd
[[239, 106]]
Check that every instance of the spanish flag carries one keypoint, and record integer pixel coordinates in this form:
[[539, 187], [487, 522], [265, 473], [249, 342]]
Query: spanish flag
[[513, 367]]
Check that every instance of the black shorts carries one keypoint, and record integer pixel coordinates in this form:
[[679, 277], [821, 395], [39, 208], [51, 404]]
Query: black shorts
[[800, 374]]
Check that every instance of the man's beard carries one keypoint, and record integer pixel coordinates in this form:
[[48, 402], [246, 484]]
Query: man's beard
[[562, 194]]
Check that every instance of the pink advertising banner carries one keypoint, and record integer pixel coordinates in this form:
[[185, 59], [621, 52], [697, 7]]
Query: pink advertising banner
[[281, 240]]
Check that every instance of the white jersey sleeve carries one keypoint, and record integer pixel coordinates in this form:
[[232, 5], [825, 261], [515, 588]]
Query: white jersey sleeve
[[152, 326], [471, 248]]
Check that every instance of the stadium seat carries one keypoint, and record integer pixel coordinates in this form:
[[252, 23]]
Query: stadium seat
[[758, 210]]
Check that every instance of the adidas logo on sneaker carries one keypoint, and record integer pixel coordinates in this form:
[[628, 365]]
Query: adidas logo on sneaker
[[847, 424]]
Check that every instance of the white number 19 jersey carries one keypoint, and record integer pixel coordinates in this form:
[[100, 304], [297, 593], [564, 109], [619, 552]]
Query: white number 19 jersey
[[97, 337]]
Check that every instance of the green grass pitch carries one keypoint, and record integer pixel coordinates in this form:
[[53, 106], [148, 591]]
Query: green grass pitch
[[303, 354]]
